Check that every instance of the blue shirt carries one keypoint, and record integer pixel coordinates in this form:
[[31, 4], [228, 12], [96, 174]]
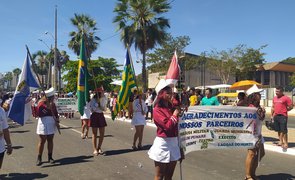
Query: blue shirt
[[212, 101]]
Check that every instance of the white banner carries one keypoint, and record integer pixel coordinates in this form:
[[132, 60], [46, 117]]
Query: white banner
[[66, 105], [215, 127]]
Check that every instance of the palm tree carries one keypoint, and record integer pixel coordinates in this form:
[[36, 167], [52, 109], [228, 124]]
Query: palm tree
[[141, 24], [42, 65], [17, 72], [87, 26]]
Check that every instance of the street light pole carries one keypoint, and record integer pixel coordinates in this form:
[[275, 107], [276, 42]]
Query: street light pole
[[56, 87]]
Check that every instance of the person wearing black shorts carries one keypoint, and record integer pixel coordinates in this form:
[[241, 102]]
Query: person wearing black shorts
[[279, 112]]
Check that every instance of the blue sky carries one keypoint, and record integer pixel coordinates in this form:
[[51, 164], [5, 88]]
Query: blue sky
[[211, 24]]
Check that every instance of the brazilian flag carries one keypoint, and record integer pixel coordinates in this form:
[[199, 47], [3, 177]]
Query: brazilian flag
[[82, 84], [128, 82]]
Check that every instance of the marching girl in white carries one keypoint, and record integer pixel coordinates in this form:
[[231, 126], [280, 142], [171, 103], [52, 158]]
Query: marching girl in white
[[85, 120], [138, 120]]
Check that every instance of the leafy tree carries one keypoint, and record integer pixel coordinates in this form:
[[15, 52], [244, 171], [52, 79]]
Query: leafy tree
[[8, 78], [223, 63], [102, 72], [17, 72], [290, 60], [292, 80], [248, 60], [161, 57], [141, 24], [87, 26]]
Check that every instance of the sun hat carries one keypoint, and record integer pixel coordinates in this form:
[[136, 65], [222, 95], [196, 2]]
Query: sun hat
[[161, 85], [253, 89], [50, 92]]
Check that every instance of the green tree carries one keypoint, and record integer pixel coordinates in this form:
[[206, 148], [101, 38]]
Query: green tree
[[141, 23], [17, 72], [223, 63], [248, 60], [41, 65], [8, 78], [87, 26], [290, 60], [161, 57], [292, 80], [102, 72]]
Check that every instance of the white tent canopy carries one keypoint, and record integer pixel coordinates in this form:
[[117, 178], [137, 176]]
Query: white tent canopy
[[117, 82], [217, 86]]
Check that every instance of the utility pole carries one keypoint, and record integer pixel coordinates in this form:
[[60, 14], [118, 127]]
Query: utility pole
[[56, 87]]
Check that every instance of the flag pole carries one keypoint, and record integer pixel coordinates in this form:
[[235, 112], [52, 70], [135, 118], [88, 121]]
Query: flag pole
[[56, 123]]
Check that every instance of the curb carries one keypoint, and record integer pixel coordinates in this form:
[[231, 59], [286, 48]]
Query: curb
[[268, 147]]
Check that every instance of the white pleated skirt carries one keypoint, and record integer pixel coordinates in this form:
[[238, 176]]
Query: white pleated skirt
[[46, 126], [165, 150]]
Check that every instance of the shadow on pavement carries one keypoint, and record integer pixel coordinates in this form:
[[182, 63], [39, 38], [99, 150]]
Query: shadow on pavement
[[117, 152], [270, 139], [23, 176], [17, 147], [24, 131], [122, 151], [279, 176], [68, 160]]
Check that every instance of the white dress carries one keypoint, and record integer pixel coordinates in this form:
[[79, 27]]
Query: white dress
[[138, 118], [87, 111], [46, 125]]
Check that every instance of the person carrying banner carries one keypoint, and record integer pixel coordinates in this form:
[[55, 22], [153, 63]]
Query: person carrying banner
[[97, 120], [255, 154], [48, 121], [4, 136], [138, 120], [165, 150]]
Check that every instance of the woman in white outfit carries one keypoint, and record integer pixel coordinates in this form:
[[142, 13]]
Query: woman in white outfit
[[138, 120], [48, 121], [85, 120]]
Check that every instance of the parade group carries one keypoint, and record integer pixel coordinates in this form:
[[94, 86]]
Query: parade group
[[163, 105]]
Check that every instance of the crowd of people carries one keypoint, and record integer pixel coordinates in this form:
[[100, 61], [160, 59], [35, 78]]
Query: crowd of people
[[164, 105]]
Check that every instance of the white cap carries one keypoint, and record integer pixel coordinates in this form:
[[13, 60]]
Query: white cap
[[50, 92], [253, 89], [161, 85]]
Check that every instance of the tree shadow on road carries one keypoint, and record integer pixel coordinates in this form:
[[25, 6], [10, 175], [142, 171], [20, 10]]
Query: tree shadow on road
[[278, 176], [23, 176], [275, 141], [68, 160]]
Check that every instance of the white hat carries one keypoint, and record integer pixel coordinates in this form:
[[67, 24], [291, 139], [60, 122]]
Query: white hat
[[253, 89], [161, 85], [50, 92], [175, 90]]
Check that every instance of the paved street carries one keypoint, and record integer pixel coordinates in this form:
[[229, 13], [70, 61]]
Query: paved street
[[75, 161]]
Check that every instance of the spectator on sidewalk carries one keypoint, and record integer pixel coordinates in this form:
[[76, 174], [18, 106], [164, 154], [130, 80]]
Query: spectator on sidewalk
[[184, 99], [281, 104], [149, 102], [242, 100], [209, 100]]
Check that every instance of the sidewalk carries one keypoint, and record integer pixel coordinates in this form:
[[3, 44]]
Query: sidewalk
[[290, 113]]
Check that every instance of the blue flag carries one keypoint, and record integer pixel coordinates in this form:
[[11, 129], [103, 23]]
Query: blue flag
[[20, 107]]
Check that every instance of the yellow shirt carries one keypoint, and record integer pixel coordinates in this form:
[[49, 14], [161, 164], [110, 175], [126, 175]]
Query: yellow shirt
[[193, 100]]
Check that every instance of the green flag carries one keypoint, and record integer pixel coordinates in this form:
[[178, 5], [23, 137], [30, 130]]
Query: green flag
[[128, 83], [82, 84]]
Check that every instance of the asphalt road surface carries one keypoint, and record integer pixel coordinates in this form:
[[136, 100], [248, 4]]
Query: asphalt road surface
[[74, 159]]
